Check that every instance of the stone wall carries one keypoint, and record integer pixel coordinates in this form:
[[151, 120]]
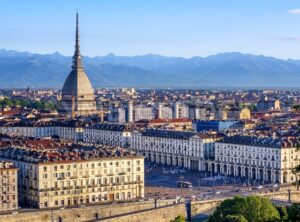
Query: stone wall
[[78, 214], [165, 213], [127, 212], [161, 214]]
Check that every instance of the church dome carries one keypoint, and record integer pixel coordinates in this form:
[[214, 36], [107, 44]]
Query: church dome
[[77, 93], [77, 84]]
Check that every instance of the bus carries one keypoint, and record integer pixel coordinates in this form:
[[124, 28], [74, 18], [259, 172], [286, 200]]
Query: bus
[[184, 184]]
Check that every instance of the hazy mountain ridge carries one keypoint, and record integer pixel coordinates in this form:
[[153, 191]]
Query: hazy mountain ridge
[[19, 69]]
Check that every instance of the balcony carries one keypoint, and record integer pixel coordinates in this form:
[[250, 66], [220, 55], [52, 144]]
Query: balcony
[[111, 175], [45, 190], [55, 188], [74, 177]]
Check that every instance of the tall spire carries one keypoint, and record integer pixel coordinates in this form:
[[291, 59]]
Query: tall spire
[[77, 57]]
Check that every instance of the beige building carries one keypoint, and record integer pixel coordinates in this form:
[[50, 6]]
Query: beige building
[[8, 186], [76, 175], [236, 114]]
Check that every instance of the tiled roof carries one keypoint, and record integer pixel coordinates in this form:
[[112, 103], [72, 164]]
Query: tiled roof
[[259, 141]]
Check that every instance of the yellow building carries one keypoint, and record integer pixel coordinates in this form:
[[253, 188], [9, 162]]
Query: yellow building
[[244, 113], [236, 114], [8, 187], [76, 175]]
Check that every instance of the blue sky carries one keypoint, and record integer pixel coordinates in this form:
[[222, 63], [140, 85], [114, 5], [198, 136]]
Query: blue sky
[[168, 27]]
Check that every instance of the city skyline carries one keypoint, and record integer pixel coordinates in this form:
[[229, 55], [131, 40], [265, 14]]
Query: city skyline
[[145, 111], [173, 28]]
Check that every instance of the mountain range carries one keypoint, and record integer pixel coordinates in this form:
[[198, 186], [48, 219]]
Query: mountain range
[[21, 69]]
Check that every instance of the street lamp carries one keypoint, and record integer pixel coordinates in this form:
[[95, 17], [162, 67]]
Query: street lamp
[[181, 179]]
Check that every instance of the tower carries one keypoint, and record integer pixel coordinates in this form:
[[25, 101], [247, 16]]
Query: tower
[[77, 93]]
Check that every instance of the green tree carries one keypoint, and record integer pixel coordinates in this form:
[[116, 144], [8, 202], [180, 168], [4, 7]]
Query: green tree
[[261, 209], [233, 218], [179, 218], [7, 102], [283, 212], [50, 106], [294, 212], [252, 208]]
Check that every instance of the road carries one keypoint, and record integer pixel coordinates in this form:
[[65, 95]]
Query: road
[[161, 182]]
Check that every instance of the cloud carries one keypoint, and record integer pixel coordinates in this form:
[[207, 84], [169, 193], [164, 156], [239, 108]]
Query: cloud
[[290, 38], [294, 11]]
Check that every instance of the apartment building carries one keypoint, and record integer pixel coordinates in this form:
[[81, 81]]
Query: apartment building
[[108, 134], [8, 186], [260, 159], [76, 174], [183, 149]]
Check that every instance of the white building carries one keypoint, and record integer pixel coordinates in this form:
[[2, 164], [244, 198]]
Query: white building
[[43, 129], [165, 112], [109, 134], [142, 112], [117, 114], [181, 110], [258, 159], [184, 149]]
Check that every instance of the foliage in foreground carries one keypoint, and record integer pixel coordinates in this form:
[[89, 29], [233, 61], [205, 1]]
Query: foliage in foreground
[[243, 209], [179, 218]]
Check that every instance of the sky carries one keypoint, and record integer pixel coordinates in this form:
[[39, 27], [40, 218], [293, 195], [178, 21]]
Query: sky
[[183, 28]]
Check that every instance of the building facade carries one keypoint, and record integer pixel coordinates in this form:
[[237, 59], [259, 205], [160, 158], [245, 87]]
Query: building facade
[[183, 149], [75, 176], [165, 112], [266, 105], [212, 125], [107, 134], [258, 159], [8, 186]]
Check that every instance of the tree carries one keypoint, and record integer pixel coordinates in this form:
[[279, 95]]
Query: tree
[[233, 218], [50, 106], [235, 206], [261, 209], [7, 102], [294, 212], [252, 208], [283, 212], [179, 218]]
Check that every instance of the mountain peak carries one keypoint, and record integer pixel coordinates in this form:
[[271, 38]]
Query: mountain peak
[[232, 69]]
